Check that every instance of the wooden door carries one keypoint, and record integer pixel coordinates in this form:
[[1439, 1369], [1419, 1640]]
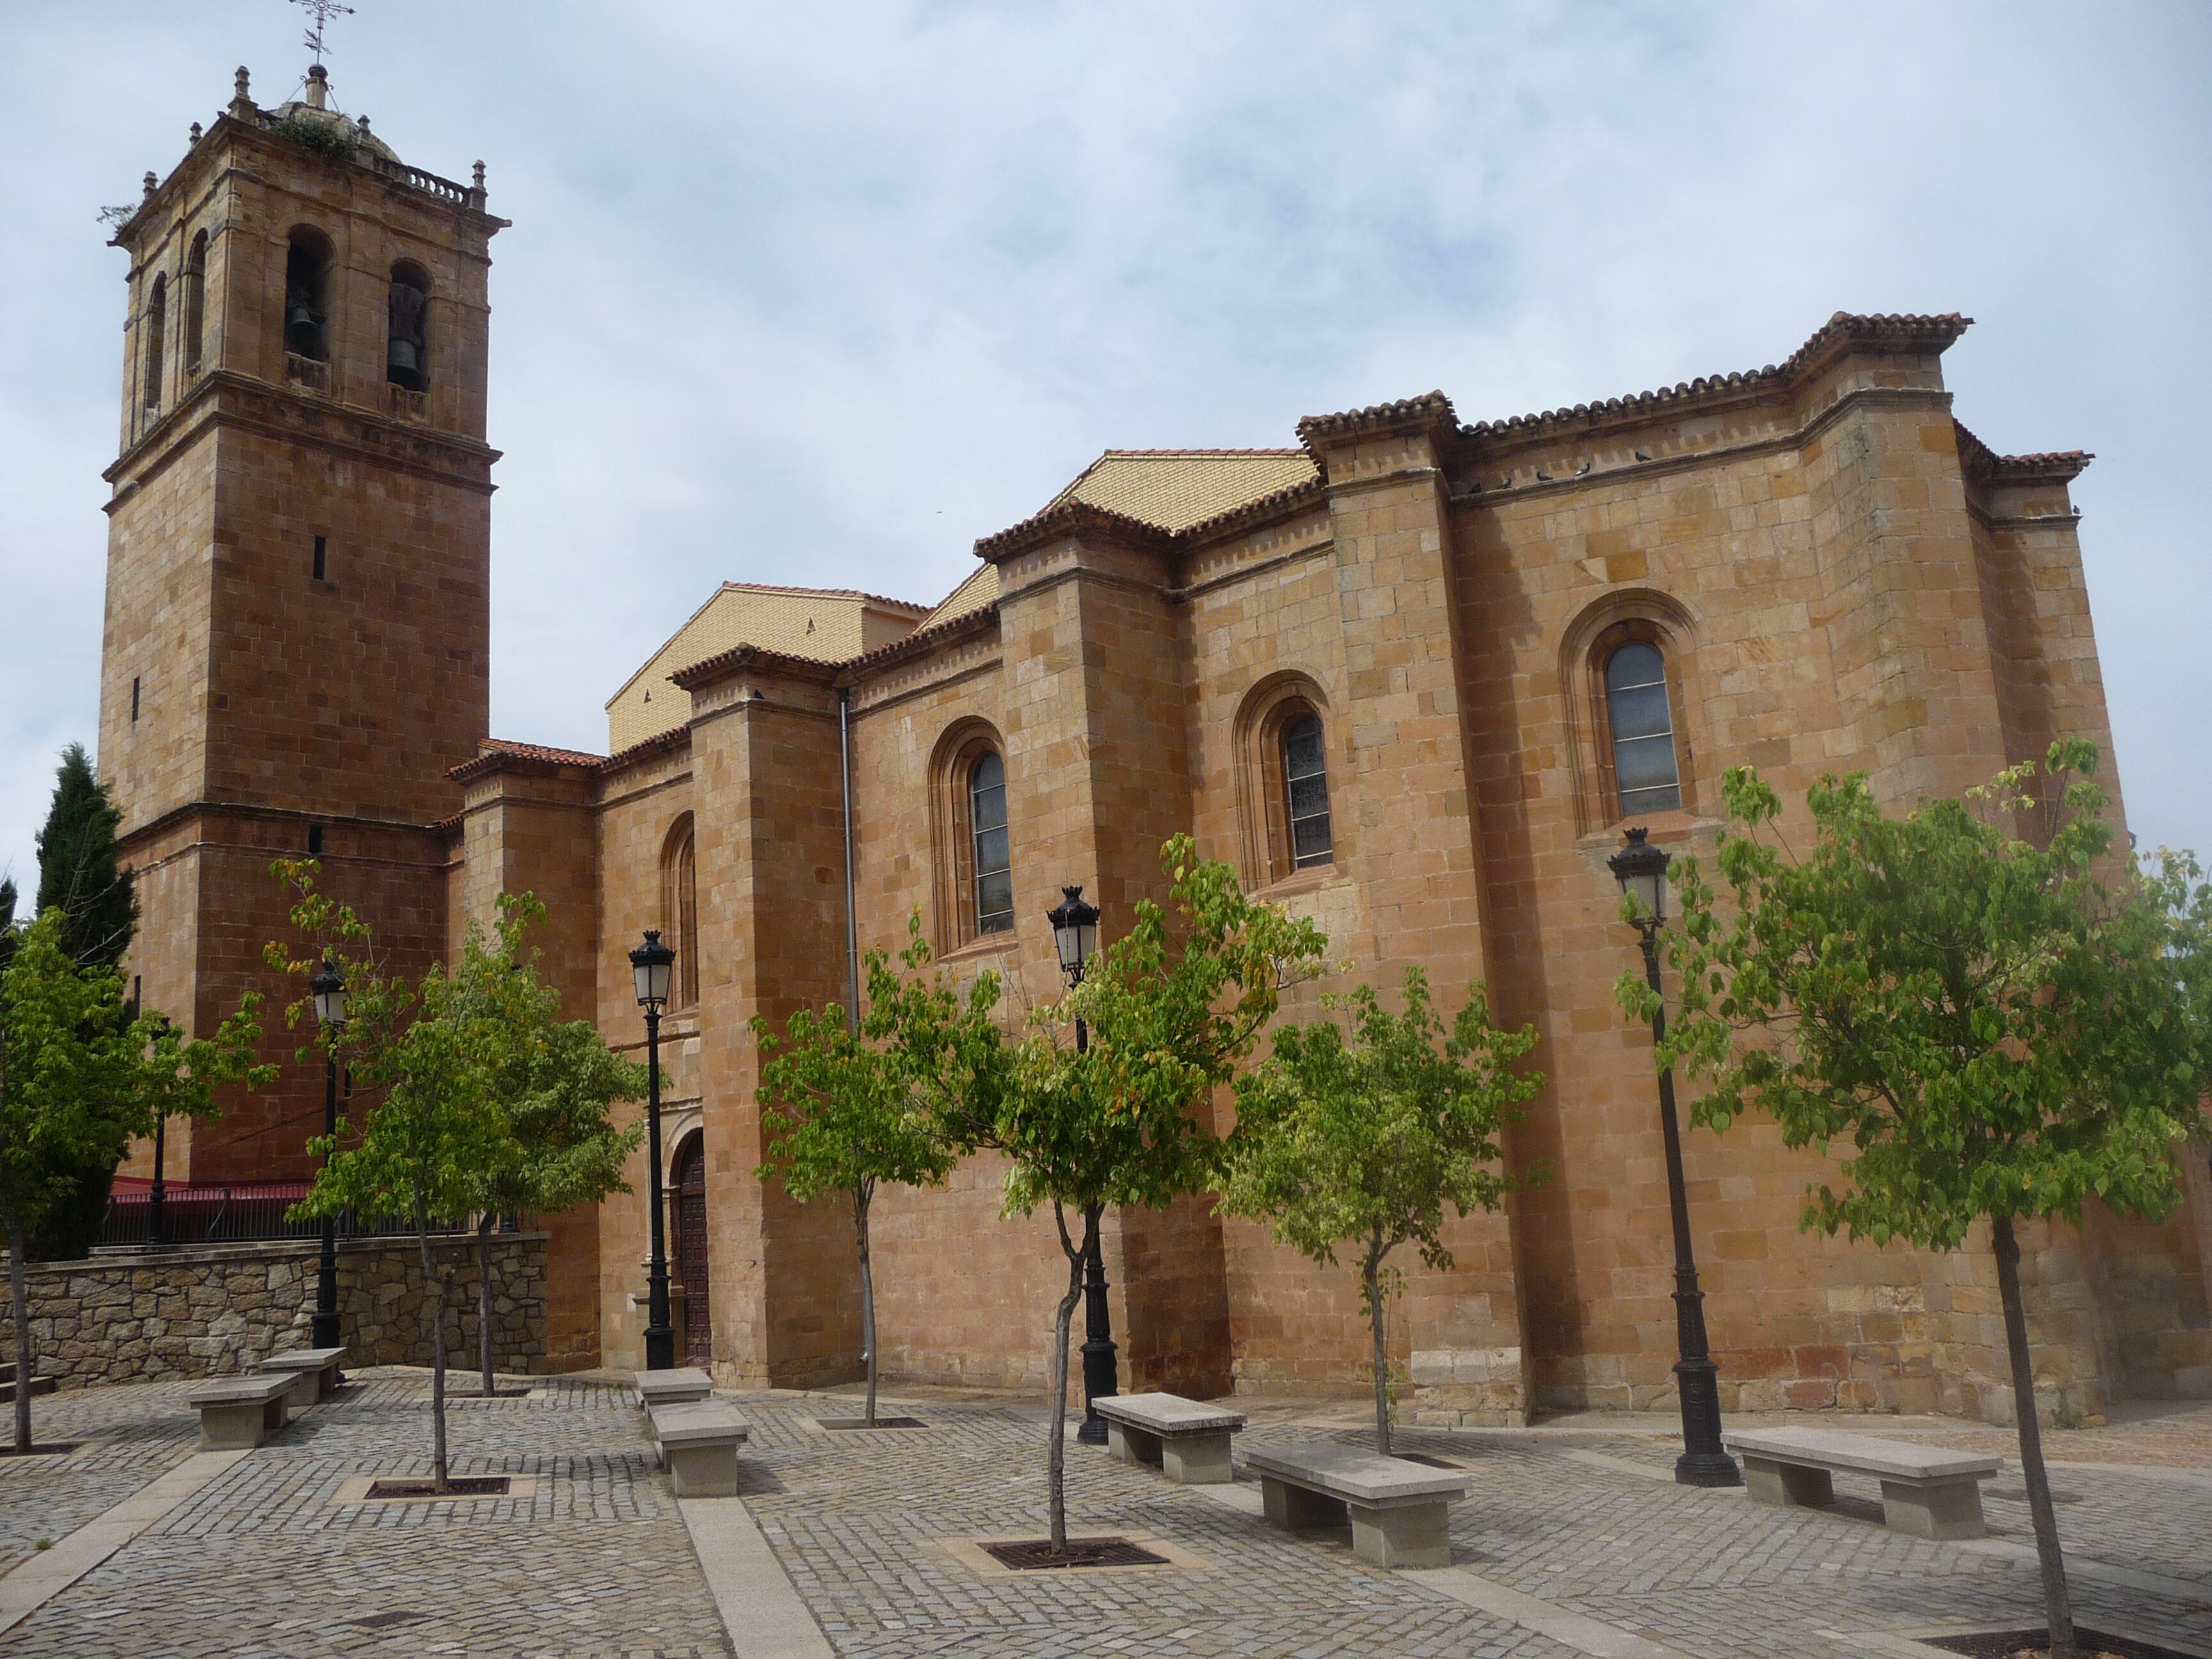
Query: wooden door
[[691, 1185]]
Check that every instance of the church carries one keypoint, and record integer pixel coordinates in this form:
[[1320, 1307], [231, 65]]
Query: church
[[1412, 674]]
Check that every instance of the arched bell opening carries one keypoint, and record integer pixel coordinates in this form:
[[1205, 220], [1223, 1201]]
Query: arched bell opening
[[407, 341], [308, 263]]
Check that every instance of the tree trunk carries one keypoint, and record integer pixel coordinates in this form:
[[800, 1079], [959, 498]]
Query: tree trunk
[[1372, 1267], [19, 1302], [1056, 1488], [2057, 1608], [861, 1195], [484, 1296], [433, 1294]]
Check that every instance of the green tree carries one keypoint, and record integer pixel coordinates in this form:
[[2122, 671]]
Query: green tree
[[429, 1120], [845, 1108], [1982, 1025], [1172, 1011], [551, 1083], [79, 1077], [81, 875], [1366, 1142]]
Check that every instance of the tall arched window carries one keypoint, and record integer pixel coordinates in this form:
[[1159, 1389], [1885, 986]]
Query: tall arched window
[[1646, 776], [993, 856], [195, 301], [1305, 791], [407, 345], [151, 340], [679, 910], [308, 295]]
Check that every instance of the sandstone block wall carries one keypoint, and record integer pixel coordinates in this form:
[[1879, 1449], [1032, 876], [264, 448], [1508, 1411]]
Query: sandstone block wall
[[220, 1311]]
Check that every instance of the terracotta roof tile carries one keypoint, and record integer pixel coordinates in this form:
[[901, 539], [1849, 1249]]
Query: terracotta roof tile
[[980, 588], [1430, 407], [1933, 333]]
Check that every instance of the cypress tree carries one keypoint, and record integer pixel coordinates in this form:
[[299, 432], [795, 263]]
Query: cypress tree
[[77, 870], [79, 876]]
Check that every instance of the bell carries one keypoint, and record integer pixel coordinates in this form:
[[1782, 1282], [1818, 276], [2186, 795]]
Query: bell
[[302, 333], [403, 363]]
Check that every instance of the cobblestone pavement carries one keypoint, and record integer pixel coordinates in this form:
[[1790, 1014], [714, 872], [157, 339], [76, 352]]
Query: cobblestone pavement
[[262, 1563], [596, 1562]]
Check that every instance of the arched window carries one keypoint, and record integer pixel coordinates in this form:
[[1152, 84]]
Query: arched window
[[308, 295], [679, 910], [1305, 790], [994, 857], [1641, 727], [1281, 748], [407, 346], [157, 317], [970, 840], [195, 301]]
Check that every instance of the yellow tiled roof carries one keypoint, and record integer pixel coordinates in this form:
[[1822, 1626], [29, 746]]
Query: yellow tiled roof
[[829, 625], [1176, 488], [980, 588]]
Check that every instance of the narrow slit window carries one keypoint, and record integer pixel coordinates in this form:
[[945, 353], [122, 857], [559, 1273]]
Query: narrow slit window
[[1644, 770], [994, 875], [315, 841], [134, 699], [1305, 783], [322, 558]]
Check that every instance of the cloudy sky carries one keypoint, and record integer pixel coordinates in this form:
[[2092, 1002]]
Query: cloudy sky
[[823, 293]]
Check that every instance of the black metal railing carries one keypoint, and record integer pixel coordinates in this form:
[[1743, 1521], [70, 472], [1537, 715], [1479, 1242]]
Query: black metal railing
[[245, 1213]]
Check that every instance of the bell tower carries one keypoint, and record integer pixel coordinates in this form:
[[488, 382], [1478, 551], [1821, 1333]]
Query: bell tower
[[296, 639]]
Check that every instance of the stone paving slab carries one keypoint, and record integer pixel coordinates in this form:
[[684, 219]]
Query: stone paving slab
[[598, 1562]]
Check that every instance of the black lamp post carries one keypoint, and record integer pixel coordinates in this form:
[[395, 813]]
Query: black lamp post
[[1641, 869], [328, 988], [652, 965], [157, 1197], [1075, 936]]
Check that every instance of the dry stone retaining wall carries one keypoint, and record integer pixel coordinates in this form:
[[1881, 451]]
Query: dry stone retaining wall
[[215, 1310]]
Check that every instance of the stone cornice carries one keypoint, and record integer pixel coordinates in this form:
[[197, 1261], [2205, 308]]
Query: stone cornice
[[1691, 460], [223, 397]]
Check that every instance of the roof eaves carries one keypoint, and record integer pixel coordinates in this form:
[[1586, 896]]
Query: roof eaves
[[707, 670], [1839, 334], [924, 639], [1430, 409], [501, 754], [1070, 517], [1264, 506], [676, 737], [2044, 466]]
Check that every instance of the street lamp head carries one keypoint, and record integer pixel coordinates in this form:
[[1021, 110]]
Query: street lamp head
[[1641, 870], [1074, 931], [328, 988], [653, 964]]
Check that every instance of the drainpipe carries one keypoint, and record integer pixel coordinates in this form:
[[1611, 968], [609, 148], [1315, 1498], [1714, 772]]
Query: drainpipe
[[852, 919]]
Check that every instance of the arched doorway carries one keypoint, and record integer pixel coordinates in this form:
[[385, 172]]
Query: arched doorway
[[689, 1184]]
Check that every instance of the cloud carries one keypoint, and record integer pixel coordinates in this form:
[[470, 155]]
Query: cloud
[[822, 293]]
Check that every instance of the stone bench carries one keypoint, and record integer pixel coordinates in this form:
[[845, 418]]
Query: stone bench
[[1398, 1510], [1926, 1491], [1185, 1441], [237, 1412], [698, 1442], [671, 1387], [313, 1371]]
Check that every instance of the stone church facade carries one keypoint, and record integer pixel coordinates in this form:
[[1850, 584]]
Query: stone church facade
[[1413, 676]]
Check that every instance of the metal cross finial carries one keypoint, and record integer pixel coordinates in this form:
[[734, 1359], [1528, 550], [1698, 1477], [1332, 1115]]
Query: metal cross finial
[[322, 11]]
